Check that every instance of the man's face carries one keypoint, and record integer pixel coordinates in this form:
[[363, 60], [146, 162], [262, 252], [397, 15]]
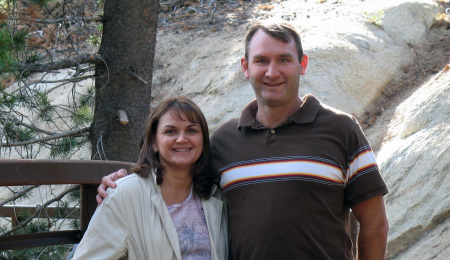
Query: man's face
[[274, 70]]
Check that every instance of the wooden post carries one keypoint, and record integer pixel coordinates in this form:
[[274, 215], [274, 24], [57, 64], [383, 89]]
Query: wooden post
[[89, 204]]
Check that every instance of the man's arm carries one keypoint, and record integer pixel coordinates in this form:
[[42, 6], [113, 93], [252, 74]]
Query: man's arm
[[109, 182], [374, 228]]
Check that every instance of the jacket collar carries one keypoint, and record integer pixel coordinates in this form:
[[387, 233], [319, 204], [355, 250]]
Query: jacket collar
[[213, 220], [166, 219], [158, 189]]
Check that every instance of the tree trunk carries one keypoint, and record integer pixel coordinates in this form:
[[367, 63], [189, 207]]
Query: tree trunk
[[123, 82]]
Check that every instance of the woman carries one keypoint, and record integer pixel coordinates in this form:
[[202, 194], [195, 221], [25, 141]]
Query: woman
[[169, 208]]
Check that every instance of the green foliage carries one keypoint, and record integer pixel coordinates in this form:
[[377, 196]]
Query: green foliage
[[63, 209], [87, 99], [83, 115], [75, 223], [74, 195], [17, 133], [376, 19], [40, 3], [11, 40], [95, 40], [64, 146], [33, 58], [41, 253], [38, 226], [28, 112], [44, 106], [10, 101], [29, 102], [10, 44], [23, 214]]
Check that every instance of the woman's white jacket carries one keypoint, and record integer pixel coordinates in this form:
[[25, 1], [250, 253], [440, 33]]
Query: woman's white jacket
[[133, 223]]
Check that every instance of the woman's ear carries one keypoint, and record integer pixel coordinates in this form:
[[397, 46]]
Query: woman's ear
[[155, 148]]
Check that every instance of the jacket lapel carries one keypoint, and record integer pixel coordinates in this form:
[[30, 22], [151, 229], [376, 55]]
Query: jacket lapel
[[166, 219], [213, 215]]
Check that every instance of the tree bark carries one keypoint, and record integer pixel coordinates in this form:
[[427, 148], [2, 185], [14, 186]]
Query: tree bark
[[123, 81]]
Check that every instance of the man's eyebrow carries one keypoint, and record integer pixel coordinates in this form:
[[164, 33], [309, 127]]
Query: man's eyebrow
[[256, 57], [284, 55]]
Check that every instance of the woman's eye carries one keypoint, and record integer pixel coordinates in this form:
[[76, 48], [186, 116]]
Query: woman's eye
[[169, 131], [193, 130]]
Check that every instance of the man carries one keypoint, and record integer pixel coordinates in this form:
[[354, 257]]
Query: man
[[291, 169]]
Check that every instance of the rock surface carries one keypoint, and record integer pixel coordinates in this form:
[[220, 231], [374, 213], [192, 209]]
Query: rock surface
[[351, 59], [415, 162]]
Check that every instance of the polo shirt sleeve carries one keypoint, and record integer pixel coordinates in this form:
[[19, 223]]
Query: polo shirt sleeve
[[364, 179]]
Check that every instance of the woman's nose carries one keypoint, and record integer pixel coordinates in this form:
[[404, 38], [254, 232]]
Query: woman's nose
[[181, 137]]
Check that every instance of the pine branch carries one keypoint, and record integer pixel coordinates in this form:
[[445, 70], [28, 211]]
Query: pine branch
[[61, 64], [17, 195], [79, 132], [39, 208], [18, 122], [63, 81], [59, 20]]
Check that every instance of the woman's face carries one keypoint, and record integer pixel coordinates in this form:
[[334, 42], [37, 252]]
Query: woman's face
[[178, 141]]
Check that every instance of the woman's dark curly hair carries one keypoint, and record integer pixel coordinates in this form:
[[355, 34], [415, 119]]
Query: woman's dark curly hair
[[149, 160]]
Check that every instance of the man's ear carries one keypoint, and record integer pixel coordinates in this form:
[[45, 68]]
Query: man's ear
[[244, 67], [304, 64]]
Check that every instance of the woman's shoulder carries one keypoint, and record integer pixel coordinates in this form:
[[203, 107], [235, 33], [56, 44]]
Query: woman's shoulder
[[131, 183]]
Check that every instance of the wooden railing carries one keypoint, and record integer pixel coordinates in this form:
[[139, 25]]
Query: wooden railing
[[86, 173], [45, 172]]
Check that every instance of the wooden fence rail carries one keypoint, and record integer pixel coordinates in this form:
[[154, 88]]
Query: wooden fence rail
[[86, 173], [48, 172]]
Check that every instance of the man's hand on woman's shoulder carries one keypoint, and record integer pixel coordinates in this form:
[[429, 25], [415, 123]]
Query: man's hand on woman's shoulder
[[109, 182]]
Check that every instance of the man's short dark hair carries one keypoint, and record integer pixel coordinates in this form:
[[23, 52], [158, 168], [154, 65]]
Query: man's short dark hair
[[282, 31]]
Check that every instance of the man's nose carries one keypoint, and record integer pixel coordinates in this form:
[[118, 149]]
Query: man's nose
[[272, 70]]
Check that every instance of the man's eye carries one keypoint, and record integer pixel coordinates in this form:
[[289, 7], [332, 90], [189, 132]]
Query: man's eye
[[260, 61], [284, 60]]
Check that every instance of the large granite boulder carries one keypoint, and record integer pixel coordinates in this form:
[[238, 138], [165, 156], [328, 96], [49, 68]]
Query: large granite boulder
[[351, 58], [415, 163]]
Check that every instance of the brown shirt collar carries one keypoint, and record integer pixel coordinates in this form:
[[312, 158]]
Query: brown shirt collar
[[306, 113]]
